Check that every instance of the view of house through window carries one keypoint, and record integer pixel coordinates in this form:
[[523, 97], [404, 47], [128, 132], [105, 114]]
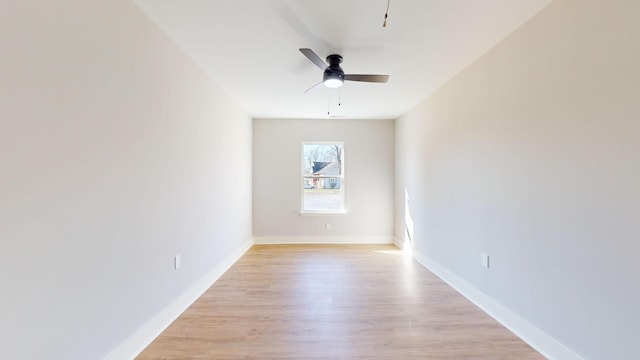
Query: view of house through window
[[322, 177]]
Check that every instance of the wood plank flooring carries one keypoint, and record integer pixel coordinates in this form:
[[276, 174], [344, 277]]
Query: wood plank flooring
[[333, 302]]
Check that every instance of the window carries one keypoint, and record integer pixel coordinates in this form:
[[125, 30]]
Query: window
[[322, 177]]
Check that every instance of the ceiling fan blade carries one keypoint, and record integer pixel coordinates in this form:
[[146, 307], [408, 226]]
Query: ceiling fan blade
[[314, 58], [313, 87], [367, 78]]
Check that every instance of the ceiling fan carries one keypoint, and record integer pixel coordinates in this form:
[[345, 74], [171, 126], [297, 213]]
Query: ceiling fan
[[334, 76]]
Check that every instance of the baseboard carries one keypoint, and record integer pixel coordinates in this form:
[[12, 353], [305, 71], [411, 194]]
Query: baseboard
[[539, 340], [288, 240], [139, 340], [398, 243]]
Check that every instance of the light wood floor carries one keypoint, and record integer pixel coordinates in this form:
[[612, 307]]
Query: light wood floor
[[333, 302]]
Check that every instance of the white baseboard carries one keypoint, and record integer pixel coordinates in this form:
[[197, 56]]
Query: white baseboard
[[399, 243], [289, 240], [539, 340], [536, 338], [140, 339]]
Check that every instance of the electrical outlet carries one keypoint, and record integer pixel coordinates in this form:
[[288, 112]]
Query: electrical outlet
[[177, 262], [327, 226], [485, 260]]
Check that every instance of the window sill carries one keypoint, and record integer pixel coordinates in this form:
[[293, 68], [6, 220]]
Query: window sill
[[322, 213]]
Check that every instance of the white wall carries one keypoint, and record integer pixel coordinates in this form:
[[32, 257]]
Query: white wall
[[531, 155], [368, 149], [117, 153]]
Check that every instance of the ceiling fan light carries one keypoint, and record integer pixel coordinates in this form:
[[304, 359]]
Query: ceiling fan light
[[333, 83]]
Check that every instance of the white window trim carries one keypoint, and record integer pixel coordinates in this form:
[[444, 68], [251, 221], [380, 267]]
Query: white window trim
[[342, 178]]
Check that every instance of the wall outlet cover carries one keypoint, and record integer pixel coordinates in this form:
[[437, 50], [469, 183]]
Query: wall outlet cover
[[485, 260]]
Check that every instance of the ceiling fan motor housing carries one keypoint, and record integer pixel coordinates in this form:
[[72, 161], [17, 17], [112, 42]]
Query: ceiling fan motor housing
[[334, 71], [334, 60]]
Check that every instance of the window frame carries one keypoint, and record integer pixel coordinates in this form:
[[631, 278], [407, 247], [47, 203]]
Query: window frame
[[303, 177]]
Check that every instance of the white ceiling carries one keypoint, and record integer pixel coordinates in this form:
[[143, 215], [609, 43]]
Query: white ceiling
[[250, 47]]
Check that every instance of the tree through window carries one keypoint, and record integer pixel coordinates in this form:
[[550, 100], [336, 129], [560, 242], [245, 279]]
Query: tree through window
[[323, 177]]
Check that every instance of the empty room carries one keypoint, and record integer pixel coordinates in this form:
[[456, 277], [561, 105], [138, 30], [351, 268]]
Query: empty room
[[294, 179]]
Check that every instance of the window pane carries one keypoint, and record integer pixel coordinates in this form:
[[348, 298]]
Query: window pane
[[322, 199], [323, 177]]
